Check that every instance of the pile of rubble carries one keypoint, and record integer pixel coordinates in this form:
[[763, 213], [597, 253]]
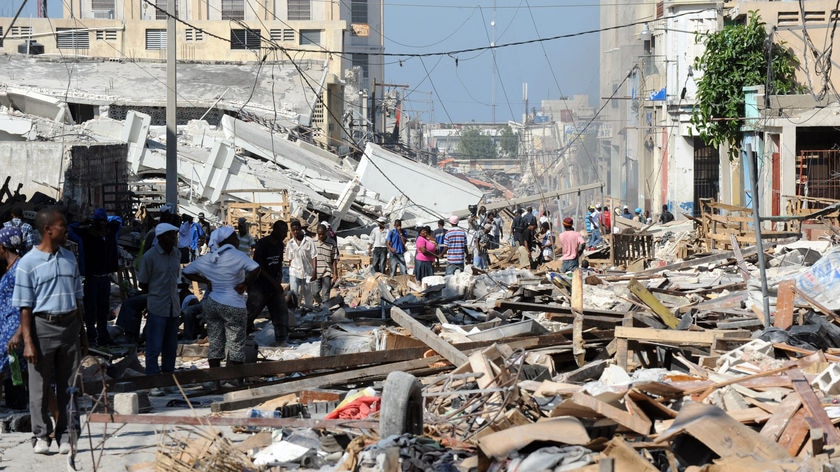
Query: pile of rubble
[[669, 368]]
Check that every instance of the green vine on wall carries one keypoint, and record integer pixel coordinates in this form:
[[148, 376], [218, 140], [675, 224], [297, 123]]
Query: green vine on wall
[[736, 57]]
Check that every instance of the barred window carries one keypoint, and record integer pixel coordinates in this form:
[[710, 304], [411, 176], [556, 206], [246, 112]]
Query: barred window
[[282, 34], [300, 10], [244, 39], [155, 39], [106, 35], [193, 34], [359, 11], [233, 9], [160, 11], [70, 38], [310, 37]]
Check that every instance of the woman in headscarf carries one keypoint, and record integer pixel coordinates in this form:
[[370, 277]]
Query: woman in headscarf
[[12, 246], [227, 272]]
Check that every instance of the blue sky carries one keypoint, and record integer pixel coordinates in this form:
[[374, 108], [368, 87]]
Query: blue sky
[[439, 90], [463, 92]]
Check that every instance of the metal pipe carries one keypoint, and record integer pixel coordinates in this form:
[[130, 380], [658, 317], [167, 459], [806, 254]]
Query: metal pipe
[[753, 164]]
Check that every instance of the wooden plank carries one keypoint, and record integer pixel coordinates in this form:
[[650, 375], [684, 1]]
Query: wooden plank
[[777, 423], [581, 404], [621, 344], [667, 336], [813, 405], [739, 258], [698, 261], [740, 380], [195, 376], [722, 433], [653, 303], [578, 350], [510, 330], [231, 421], [251, 397], [783, 318], [448, 351], [817, 441], [625, 457], [795, 433]]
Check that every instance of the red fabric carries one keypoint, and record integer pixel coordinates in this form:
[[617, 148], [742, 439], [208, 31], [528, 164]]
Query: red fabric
[[358, 409]]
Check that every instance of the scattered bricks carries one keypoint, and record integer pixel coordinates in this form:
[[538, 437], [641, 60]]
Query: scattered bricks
[[126, 403], [754, 351], [829, 380]]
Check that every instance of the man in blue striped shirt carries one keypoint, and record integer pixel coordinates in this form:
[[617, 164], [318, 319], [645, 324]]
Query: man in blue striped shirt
[[48, 291], [455, 246]]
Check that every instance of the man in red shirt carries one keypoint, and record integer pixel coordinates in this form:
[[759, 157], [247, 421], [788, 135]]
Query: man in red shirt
[[571, 243]]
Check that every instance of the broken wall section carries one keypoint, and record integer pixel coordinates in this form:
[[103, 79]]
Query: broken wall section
[[96, 177]]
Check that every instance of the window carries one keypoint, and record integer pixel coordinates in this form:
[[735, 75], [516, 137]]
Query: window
[[101, 5], [193, 34], [233, 9], [106, 35], [102, 8], [155, 39], [299, 10], [282, 34], [310, 37], [361, 60], [20, 32], [244, 39], [359, 11], [160, 11], [1, 36], [70, 38]]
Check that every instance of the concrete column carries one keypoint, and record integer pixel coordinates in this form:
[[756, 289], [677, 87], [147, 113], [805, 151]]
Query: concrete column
[[787, 164]]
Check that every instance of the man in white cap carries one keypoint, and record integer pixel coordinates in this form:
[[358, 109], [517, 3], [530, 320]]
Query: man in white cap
[[159, 273], [378, 248]]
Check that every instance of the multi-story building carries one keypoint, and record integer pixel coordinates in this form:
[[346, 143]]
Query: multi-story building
[[647, 78], [335, 34]]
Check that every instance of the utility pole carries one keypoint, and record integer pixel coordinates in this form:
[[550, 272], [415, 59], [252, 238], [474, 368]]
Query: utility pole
[[171, 106], [493, 72]]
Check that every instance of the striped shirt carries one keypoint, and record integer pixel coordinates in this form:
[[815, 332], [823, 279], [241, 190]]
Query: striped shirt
[[327, 254], [455, 241], [47, 282]]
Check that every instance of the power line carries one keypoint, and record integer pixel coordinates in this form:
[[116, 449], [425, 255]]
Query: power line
[[443, 53]]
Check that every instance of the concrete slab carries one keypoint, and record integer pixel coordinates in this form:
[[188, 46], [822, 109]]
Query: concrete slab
[[431, 190]]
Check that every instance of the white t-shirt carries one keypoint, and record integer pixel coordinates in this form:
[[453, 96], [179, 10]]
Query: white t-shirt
[[224, 268]]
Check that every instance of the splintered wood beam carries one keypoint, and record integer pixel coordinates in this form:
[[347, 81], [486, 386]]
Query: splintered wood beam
[[429, 338], [578, 351], [187, 377], [255, 396], [779, 420], [653, 303], [583, 405], [784, 305], [231, 421], [813, 405]]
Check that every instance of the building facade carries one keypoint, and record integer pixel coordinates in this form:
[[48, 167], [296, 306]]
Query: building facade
[[340, 34]]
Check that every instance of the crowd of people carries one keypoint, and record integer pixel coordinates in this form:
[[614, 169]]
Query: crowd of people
[[55, 303]]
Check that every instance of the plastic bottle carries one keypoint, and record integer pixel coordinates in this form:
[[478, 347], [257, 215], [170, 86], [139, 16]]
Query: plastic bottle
[[14, 366]]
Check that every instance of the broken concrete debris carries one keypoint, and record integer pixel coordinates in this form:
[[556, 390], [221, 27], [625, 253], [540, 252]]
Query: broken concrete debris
[[539, 373], [655, 357]]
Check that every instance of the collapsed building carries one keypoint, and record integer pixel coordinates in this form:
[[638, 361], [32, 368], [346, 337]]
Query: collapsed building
[[77, 142]]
